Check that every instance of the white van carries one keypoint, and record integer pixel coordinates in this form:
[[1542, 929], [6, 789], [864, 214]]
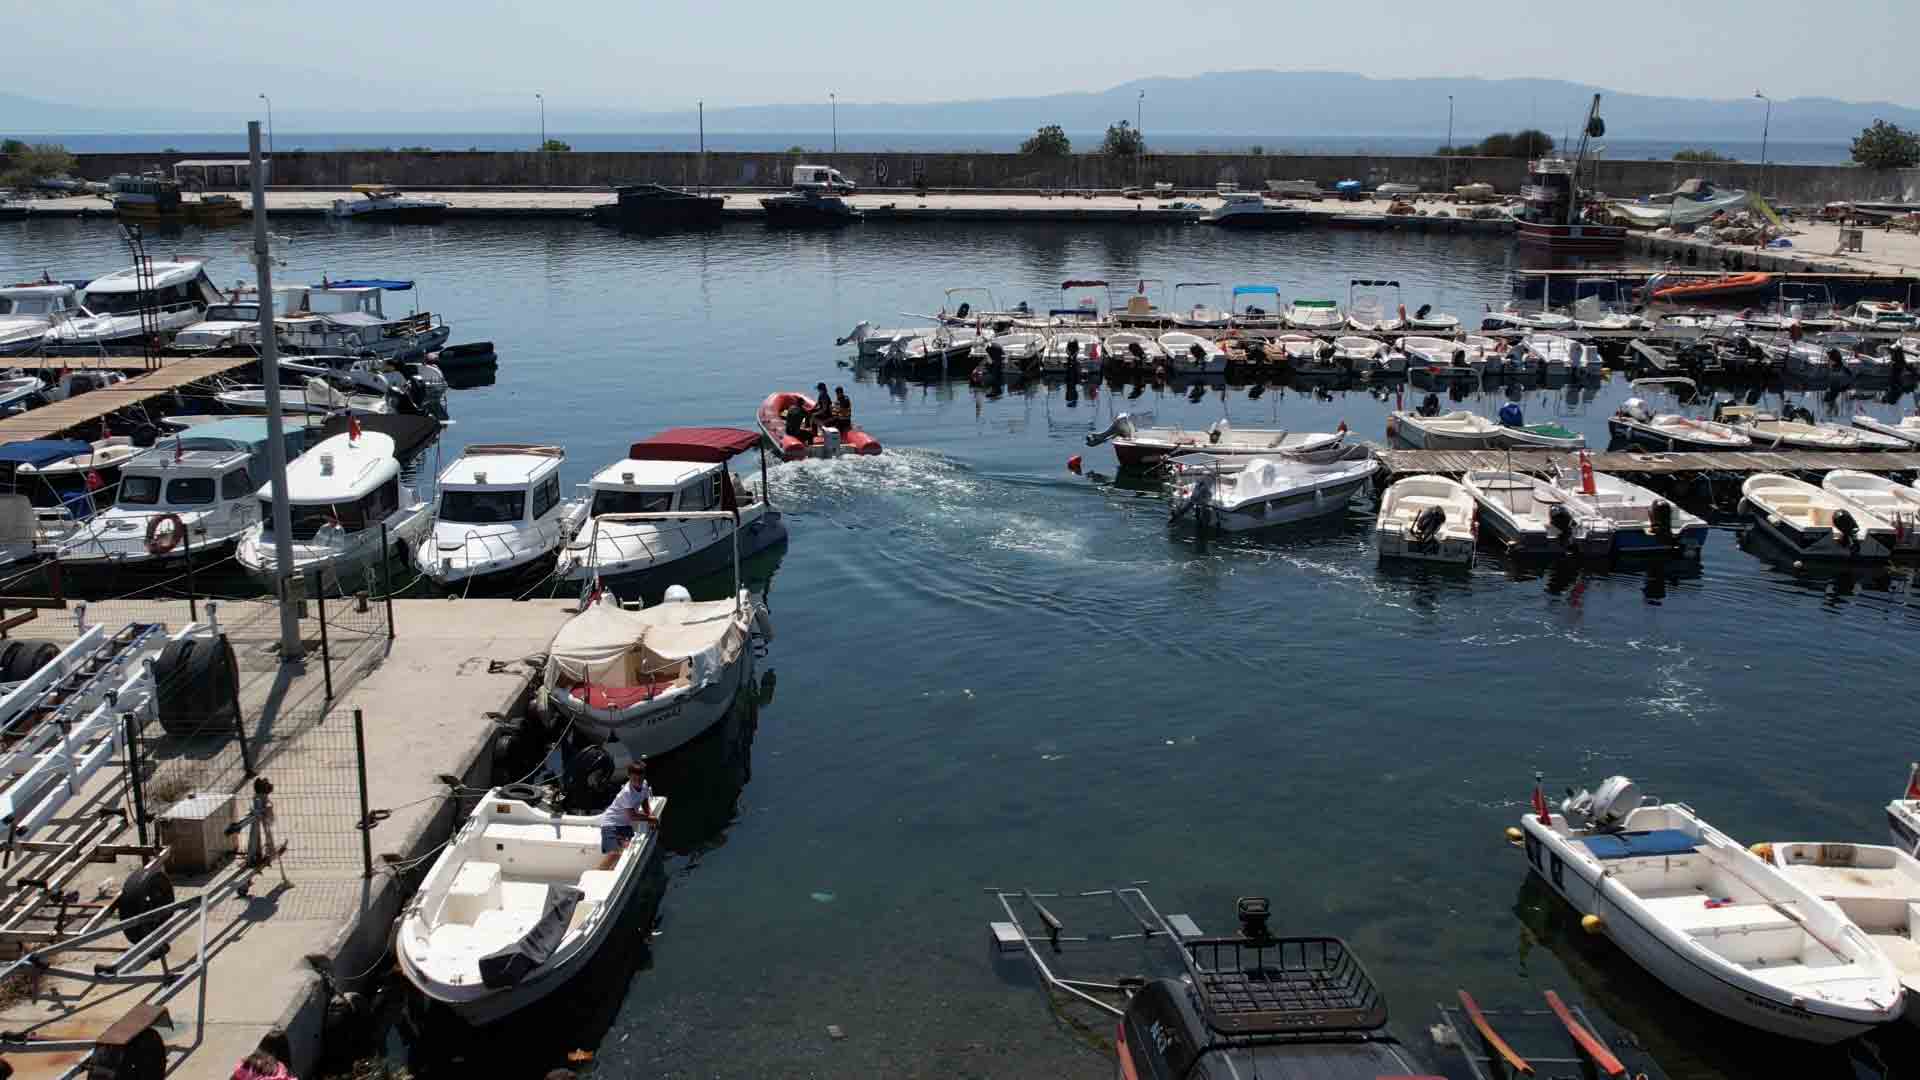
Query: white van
[[820, 178]]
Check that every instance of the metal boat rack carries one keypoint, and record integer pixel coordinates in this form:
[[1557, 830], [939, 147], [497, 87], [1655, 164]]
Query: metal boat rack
[[1146, 926]]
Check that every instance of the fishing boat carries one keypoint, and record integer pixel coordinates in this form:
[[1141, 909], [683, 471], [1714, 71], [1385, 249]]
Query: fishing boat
[[1426, 518], [825, 441], [1256, 307], [1875, 886], [1532, 516], [654, 678], [499, 517], [632, 547], [1077, 351], [1557, 354], [1703, 915], [1812, 522], [1906, 429], [1251, 210], [27, 312], [1140, 445], [1191, 354], [808, 209], [1877, 496], [1552, 214], [1770, 432], [154, 197], [1269, 491], [1635, 423], [1514, 316], [517, 903], [1464, 430], [1315, 315], [658, 208], [122, 308], [378, 202], [173, 504], [1134, 351], [1368, 313], [1881, 315], [350, 512], [348, 317], [1201, 308], [1642, 522]]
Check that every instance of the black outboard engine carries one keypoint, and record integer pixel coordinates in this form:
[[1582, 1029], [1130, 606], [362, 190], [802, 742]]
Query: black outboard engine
[[1325, 352], [963, 310], [1256, 353], [1459, 358], [1122, 426], [1426, 528], [1199, 355], [1849, 530], [1425, 310], [1201, 495], [1429, 405], [1073, 361], [1660, 520], [1562, 520], [1138, 355], [1799, 412]]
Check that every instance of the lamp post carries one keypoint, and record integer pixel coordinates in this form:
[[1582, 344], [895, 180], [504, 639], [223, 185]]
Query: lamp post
[[1446, 182], [269, 102], [1766, 126], [542, 99], [833, 107], [1139, 140]]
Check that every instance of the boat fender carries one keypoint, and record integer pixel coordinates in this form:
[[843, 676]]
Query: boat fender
[[762, 622], [1593, 924], [1761, 850], [158, 545], [1073, 464], [1515, 837]]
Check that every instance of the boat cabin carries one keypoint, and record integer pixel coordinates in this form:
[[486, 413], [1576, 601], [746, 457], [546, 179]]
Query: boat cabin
[[652, 487], [36, 301], [501, 484], [64, 494], [246, 434], [170, 286], [346, 481], [185, 480]]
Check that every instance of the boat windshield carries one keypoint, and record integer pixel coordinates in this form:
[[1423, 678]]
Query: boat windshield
[[139, 490], [26, 305], [483, 507], [130, 303], [631, 502]]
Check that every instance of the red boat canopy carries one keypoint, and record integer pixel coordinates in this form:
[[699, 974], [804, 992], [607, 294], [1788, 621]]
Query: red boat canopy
[[708, 444]]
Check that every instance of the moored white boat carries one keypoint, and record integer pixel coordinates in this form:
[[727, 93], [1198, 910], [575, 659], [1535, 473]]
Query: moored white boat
[[1889, 500], [1813, 523], [1875, 886], [172, 504], [1268, 491], [1368, 312], [1315, 315], [1514, 317], [1139, 445], [173, 294], [1703, 915], [499, 516], [1202, 307], [1425, 320], [1428, 518], [516, 904], [1637, 424], [1077, 351], [1464, 430], [1561, 355], [1132, 349], [27, 312], [1191, 354], [1770, 432], [1532, 516], [346, 499], [1906, 429], [1642, 522]]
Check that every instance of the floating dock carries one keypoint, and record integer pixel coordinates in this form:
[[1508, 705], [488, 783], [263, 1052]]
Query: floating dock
[[1399, 463], [76, 413]]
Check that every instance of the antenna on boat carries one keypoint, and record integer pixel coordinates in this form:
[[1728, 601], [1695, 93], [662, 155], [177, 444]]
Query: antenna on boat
[[703, 148]]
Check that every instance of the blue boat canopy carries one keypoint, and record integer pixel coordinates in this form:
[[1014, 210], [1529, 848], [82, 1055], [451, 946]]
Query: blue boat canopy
[[38, 452], [1347, 185], [389, 284], [1265, 289]]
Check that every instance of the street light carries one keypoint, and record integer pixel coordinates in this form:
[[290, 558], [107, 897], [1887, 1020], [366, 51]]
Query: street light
[[542, 99], [269, 102], [833, 105], [1446, 183], [1139, 142], [1766, 126]]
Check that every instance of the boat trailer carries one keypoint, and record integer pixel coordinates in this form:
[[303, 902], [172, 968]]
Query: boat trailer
[[1146, 925]]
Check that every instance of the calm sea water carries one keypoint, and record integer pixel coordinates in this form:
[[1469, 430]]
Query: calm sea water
[[994, 673]]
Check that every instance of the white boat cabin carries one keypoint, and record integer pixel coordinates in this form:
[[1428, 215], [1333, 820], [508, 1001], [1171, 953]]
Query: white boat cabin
[[347, 483], [645, 487], [501, 485], [211, 491], [172, 286], [36, 301]]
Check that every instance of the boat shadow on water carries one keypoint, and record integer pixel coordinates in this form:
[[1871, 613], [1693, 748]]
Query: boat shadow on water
[[1687, 1040]]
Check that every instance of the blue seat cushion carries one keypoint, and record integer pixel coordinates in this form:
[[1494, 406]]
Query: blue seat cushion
[[1634, 845]]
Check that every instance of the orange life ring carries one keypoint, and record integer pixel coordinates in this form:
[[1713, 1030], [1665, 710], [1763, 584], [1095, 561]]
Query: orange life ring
[[178, 533]]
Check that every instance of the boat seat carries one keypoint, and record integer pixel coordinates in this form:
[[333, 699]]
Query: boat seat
[[621, 697], [544, 850], [1632, 845], [475, 890], [597, 885]]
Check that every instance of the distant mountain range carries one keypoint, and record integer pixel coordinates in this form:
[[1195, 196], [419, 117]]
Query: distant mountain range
[[1248, 103]]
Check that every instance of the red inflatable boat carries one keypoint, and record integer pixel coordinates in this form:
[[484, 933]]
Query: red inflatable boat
[[825, 443]]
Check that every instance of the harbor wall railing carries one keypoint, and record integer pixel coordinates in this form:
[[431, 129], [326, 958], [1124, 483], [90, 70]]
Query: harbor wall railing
[[1799, 184]]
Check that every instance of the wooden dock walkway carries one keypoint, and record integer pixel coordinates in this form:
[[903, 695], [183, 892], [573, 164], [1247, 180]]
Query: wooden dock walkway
[[61, 417], [1400, 463]]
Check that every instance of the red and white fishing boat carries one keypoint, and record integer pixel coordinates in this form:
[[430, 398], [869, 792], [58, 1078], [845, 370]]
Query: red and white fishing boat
[[827, 441]]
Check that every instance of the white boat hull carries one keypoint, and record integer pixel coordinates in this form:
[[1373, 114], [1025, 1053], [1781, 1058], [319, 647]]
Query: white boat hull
[[668, 722]]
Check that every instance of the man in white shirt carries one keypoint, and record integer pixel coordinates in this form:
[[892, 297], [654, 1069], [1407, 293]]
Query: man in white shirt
[[629, 807]]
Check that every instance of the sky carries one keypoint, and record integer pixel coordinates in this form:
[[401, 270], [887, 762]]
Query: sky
[[218, 54]]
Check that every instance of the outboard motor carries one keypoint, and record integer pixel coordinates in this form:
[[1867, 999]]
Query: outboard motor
[[1122, 426], [1196, 393], [1512, 416], [1325, 352], [1429, 405], [1562, 520], [1073, 361], [1199, 356], [1459, 358], [1637, 409], [1425, 310], [1218, 430], [1200, 495], [1606, 807], [1426, 527], [1800, 413], [1256, 353], [1849, 530], [965, 309], [1137, 354], [1660, 520]]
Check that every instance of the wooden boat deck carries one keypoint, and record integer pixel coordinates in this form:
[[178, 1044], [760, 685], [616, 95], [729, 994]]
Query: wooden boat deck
[[1400, 463], [60, 417]]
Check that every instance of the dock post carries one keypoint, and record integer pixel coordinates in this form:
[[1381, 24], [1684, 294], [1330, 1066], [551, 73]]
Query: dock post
[[193, 598], [133, 777], [366, 816], [386, 579], [326, 653]]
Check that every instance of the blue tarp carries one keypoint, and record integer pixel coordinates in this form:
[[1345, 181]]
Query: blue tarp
[[1268, 289], [389, 284], [38, 452], [1347, 185], [1630, 845]]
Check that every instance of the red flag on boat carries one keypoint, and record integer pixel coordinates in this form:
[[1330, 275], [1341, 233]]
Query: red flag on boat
[[1540, 805], [1143, 287], [353, 427], [178, 451], [94, 480], [1913, 781], [1586, 474]]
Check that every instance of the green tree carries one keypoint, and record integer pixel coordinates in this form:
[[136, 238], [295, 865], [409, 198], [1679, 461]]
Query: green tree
[[12, 146], [1707, 157], [1049, 141], [555, 146], [796, 148], [1886, 146], [1122, 141], [1256, 150], [1506, 144], [37, 162]]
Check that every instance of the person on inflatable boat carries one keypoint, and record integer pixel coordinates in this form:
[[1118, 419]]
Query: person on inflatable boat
[[842, 409]]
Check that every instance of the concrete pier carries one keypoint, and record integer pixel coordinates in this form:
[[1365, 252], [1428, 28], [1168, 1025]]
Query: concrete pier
[[428, 698]]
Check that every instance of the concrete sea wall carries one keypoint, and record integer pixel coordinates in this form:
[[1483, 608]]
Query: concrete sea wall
[[443, 169]]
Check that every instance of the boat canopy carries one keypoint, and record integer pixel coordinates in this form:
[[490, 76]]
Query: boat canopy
[[1374, 282], [1197, 285], [607, 645], [1266, 290], [1089, 283], [389, 284], [39, 452], [712, 445]]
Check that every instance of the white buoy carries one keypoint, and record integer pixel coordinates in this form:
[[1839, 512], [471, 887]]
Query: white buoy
[[676, 594]]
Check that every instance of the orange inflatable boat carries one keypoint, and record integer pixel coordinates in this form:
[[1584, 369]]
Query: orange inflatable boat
[[1717, 288], [825, 443]]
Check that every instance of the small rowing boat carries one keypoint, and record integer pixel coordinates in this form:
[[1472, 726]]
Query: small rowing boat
[[1427, 518], [1812, 522]]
